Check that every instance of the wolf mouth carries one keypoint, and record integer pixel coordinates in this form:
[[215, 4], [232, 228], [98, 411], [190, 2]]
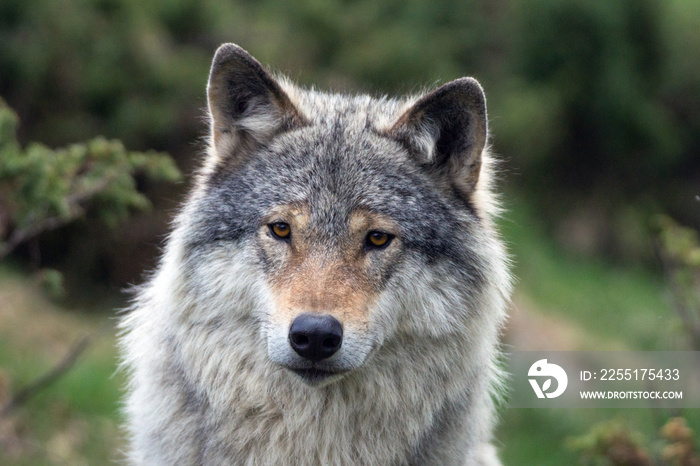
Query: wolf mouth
[[315, 375]]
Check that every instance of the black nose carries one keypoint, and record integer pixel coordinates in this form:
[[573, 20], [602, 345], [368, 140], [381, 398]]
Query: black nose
[[316, 337]]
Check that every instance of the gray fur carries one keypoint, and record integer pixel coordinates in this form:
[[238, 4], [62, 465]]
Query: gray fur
[[205, 343]]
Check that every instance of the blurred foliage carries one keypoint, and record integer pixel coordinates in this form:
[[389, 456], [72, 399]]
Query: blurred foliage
[[72, 420], [52, 282], [681, 244], [679, 251], [593, 102], [613, 444], [680, 447], [43, 189], [596, 66]]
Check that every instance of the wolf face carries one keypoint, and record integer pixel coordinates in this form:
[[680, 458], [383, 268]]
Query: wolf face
[[339, 220], [333, 288]]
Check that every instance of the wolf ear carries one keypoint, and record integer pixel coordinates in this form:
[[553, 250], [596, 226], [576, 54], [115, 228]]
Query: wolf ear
[[446, 130], [246, 104]]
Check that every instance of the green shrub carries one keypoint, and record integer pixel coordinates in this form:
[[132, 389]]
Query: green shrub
[[43, 189]]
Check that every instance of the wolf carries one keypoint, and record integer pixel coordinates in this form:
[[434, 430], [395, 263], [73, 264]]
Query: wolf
[[333, 288]]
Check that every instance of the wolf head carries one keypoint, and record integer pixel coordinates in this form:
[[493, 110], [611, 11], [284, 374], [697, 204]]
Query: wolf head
[[323, 227]]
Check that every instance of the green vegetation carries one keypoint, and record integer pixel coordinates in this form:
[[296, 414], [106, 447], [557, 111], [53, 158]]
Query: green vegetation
[[593, 105], [614, 443], [43, 189], [592, 99], [680, 254], [625, 305], [74, 420]]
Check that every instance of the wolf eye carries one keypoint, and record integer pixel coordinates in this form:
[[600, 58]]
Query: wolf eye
[[280, 230], [378, 239]]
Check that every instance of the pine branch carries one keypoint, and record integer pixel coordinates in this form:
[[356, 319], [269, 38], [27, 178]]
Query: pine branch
[[76, 208]]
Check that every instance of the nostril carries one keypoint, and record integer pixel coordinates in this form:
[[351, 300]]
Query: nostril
[[300, 340], [331, 343]]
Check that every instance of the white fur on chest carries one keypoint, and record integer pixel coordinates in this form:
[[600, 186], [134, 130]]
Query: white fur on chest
[[225, 405]]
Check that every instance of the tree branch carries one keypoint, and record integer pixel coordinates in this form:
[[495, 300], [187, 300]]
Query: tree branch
[[76, 209], [28, 391]]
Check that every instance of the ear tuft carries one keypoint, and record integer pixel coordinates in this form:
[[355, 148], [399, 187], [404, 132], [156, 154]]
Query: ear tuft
[[446, 130], [246, 104]]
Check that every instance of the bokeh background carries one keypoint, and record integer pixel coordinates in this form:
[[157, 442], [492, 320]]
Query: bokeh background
[[594, 108]]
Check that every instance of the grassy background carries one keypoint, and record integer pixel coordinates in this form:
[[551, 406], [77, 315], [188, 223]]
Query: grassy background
[[73, 421]]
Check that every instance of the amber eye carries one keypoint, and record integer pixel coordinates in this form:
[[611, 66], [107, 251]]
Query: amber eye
[[281, 230], [378, 239]]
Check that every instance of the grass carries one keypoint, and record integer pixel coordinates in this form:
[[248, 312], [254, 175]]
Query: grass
[[614, 307], [626, 305], [74, 420]]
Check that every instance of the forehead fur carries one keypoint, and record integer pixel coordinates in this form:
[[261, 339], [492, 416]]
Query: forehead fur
[[358, 112], [338, 162]]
